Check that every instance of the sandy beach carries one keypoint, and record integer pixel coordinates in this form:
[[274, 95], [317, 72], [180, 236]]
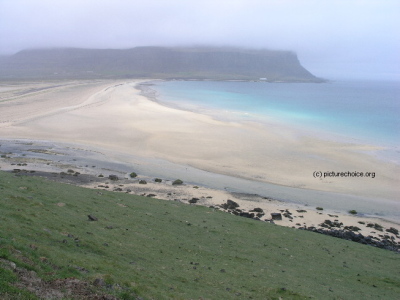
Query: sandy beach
[[113, 117], [89, 169]]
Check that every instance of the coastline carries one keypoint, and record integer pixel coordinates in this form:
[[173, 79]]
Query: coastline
[[315, 139], [90, 168], [113, 116], [173, 94]]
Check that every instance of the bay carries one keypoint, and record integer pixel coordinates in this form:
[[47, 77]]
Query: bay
[[361, 111]]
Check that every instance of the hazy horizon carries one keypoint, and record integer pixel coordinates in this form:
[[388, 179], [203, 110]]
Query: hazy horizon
[[333, 39]]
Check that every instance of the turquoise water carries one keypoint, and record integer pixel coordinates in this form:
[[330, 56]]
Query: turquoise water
[[365, 112]]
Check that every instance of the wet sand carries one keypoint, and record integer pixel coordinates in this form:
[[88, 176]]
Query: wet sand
[[114, 117], [89, 169]]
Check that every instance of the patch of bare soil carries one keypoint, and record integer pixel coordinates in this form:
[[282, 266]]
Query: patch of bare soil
[[67, 288]]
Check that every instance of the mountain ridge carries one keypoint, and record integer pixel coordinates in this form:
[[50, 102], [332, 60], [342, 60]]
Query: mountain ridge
[[215, 63]]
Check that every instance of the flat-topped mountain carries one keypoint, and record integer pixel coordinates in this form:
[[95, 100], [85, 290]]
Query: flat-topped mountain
[[156, 62]]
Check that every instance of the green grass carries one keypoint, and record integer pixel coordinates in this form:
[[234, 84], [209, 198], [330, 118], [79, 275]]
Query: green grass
[[168, 250]]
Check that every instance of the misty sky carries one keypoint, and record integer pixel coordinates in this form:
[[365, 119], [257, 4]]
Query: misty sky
[[333, 38]]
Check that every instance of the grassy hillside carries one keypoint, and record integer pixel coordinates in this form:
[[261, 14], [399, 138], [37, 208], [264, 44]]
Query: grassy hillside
[[156, 62], [154, 249]]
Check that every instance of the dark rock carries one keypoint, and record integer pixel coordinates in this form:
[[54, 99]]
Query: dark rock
[[287, 215], [194, 200], [151, 195], [257, 209], [329, 224], [133, 175], [230, 205], [118, 190], [92, 218], [142, 182], [375, 226], [158, 180], [276, 216], [352, 228], [387, 244], [247, 215], [113, 177], [177, 182], [393, 230]]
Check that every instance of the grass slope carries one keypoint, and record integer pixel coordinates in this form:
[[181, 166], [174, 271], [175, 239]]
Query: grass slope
[[168, 250]]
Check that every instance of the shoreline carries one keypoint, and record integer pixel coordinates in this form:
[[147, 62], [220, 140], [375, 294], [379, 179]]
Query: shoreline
[[51, 163], [175, 139], [370, 150], [61, 154], [384, 150]]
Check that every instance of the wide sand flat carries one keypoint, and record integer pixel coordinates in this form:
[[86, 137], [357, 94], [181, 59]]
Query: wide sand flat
[[114, 116]]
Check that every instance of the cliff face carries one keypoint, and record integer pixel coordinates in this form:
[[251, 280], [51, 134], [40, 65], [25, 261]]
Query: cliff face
[[156, 62]]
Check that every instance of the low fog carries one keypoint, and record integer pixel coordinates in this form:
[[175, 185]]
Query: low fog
[[333, 39]]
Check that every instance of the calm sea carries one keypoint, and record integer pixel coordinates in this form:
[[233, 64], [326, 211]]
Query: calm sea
[[361, 112]]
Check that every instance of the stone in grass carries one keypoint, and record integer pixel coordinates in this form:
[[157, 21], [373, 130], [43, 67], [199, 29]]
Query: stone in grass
[[92, 218], [177, 182], [142, 182], [99, 282]]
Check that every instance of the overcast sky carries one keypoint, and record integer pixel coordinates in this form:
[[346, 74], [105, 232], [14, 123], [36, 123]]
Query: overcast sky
[[333, 38]]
